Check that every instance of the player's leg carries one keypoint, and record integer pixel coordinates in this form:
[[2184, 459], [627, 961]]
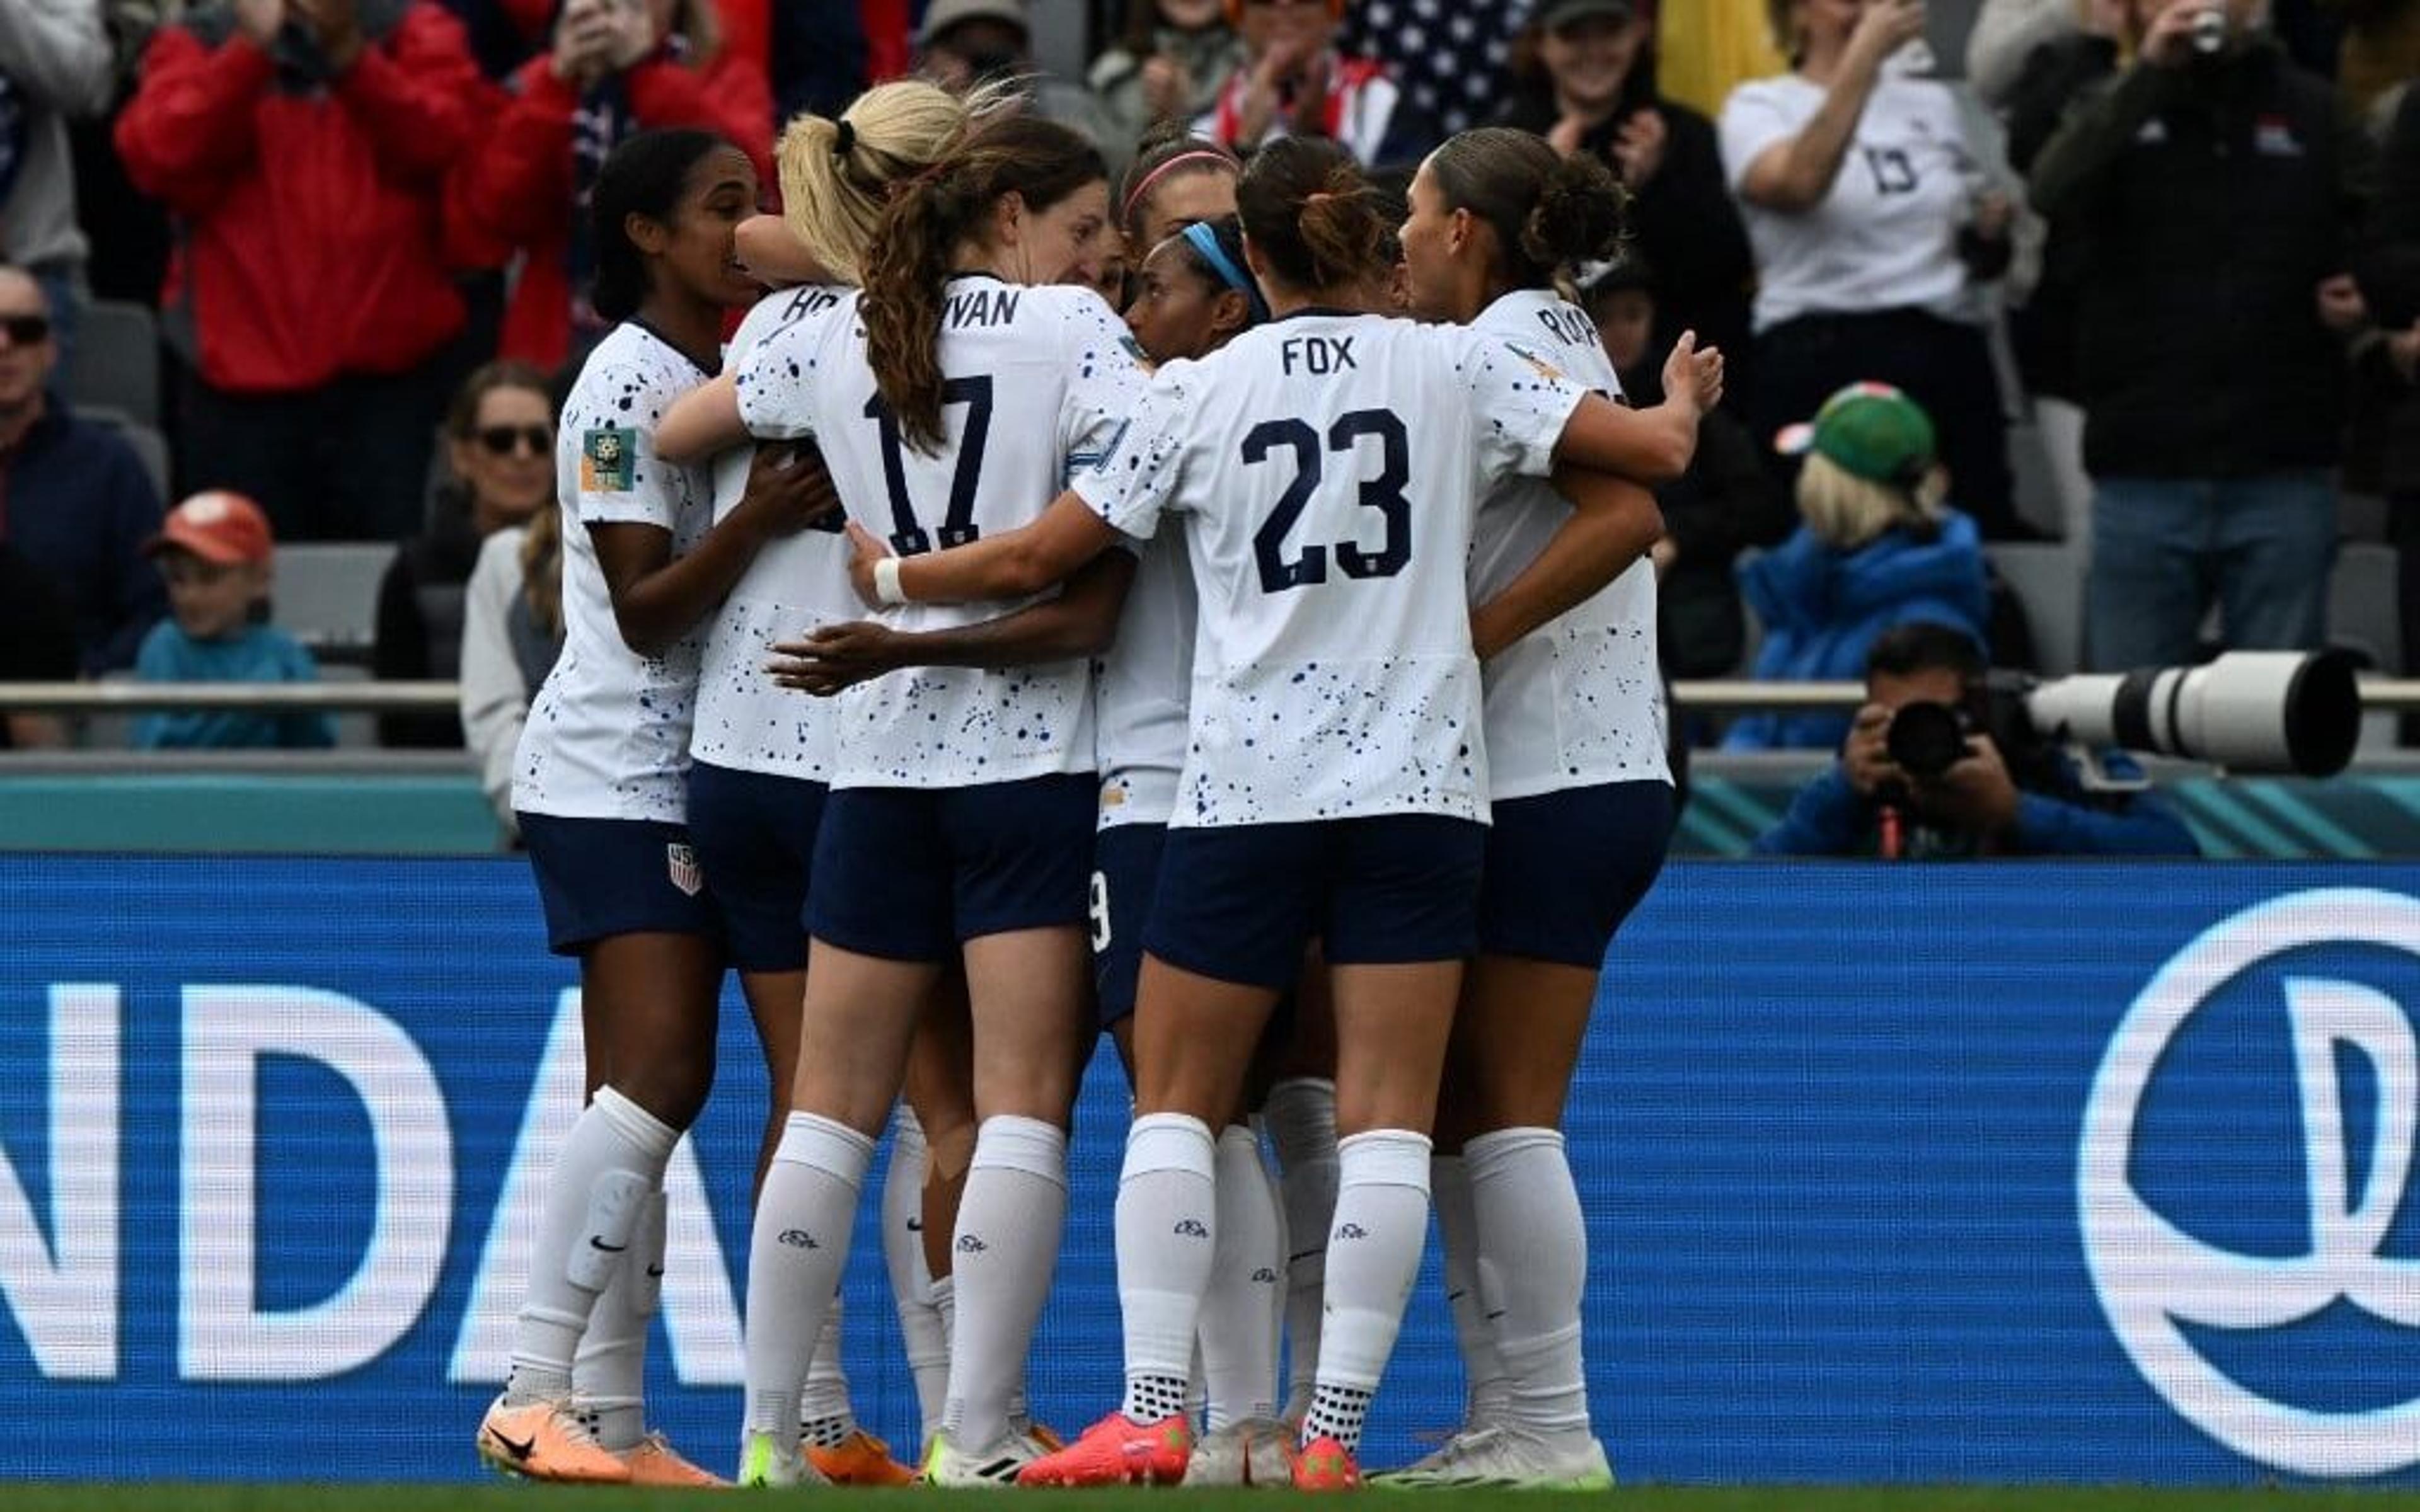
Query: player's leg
[[1301, 1112]]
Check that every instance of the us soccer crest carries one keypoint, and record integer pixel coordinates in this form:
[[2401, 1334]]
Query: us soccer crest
[[608, 459], [680, 863]]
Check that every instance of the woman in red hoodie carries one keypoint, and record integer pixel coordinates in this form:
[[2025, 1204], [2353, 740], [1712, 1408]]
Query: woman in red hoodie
[[303, 147], [610, 67]]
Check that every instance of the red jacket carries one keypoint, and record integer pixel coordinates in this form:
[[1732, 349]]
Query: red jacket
[[515, 193], [312, 220]]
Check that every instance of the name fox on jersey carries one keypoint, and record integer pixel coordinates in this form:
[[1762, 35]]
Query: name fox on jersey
[[1318, 355]]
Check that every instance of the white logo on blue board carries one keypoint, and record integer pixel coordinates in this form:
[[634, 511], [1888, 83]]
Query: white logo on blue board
[[2154, 1278]]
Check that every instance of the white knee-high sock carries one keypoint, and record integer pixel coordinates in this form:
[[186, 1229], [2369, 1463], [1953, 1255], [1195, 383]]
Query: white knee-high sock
[[1166, 1217], [1239, 1367], [1373, 1253], [609, 1374], [825, 1417], [1007, 1244], [1301, 1116], [1534, 1242], [796, 1254], [611, 1162], [1483, 1369], [911, 1287]]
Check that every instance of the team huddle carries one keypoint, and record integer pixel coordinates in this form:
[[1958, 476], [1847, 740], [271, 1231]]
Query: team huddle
[[1265, 676]]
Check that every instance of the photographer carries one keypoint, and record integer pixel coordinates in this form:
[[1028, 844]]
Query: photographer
[[1989, 802]]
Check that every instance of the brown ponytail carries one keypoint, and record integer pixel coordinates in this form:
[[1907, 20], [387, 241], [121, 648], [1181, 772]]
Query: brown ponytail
[[907, 269], [1312, 217], [1550, 213]]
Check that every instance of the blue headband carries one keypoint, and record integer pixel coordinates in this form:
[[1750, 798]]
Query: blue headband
[[1205, 241]]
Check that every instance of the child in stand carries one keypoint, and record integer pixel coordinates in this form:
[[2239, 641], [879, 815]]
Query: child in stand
[[216, 552]]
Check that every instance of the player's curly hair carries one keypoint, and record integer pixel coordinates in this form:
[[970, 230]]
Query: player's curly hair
[[837, 175], [1312, 217], [908, 268], [1549, 213]]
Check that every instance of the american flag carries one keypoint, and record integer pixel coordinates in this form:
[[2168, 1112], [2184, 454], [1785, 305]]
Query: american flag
[[1448, 54]]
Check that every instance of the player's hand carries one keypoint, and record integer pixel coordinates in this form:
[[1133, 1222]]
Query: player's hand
[[1638, 147], [1866, 755], [1693, 376], [863, 552], [1884, 29], [1977, 794], [260, 18], [335, 25], [2341, 307], [788, 489], [835, 656], [2167, 42]]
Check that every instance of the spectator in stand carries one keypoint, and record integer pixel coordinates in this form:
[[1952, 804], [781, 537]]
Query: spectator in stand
[[1292, 81], [610, 69], [2029, 799], [216, 550], [1584, 78], [500, 451], [2214, 191], [1873, 226], [74, 498], [1449, 55], [1166, 65], [302, 146], [2389, 361], [1879, 547], [54, 64], [968, 43], [1726, 502], [512, 631], [38, 644]]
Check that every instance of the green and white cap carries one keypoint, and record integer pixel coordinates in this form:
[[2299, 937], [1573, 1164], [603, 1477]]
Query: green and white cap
[[1871, 430]]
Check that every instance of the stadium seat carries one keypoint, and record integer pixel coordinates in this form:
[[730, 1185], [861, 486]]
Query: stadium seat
[[148, 443], [326, 596], [2048, 579], [2361, 605], [116, 361]]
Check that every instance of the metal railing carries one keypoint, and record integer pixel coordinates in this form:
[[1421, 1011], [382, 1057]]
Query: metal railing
[[2379, 695]]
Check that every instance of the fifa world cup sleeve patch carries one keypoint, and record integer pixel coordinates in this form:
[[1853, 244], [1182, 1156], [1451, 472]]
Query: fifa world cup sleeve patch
[[608, 459]]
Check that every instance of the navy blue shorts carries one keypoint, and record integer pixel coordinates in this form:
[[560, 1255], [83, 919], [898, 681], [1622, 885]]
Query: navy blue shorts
[[1125, 878], [603, 878], [1238, 904], [1565, 869], [911, 873], [756, 834]]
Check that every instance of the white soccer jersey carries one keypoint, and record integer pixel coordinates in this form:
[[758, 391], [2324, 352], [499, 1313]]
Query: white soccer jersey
[[1038, 380], [608, 734], [1328, 466], [1886, 237], [1580, 700], [745, 720], [1141, 687]]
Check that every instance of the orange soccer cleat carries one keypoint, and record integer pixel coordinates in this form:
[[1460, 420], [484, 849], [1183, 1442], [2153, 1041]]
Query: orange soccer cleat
[[652, 1461], [547, 1440], [860, 1459], [1325, 1465], [1118, 1451]]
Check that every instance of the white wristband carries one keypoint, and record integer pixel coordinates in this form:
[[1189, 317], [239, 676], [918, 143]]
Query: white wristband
[[886, 582]]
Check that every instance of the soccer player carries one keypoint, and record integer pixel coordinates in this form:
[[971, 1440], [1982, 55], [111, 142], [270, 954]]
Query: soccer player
[[1326, 466], [951, 398], [598, 788], [1582, 804]]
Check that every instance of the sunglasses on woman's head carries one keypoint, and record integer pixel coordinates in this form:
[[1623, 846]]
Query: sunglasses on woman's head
[[26, 330], [500, 441]]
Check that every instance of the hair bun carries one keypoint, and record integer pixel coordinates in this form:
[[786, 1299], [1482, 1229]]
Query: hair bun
[[1580, 214]]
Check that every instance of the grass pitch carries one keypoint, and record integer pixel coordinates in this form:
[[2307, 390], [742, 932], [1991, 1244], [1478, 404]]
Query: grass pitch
[[98, 1497]]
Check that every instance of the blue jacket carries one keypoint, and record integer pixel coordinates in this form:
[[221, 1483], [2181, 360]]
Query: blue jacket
[[256, 654], [74, 498], [1829, 817], [1822, 608]]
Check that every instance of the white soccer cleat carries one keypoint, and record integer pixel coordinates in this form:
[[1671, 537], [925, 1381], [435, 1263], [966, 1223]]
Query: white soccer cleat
[[1249, 1452], [990, 1469], [1508, 1458], [772, 1459]]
